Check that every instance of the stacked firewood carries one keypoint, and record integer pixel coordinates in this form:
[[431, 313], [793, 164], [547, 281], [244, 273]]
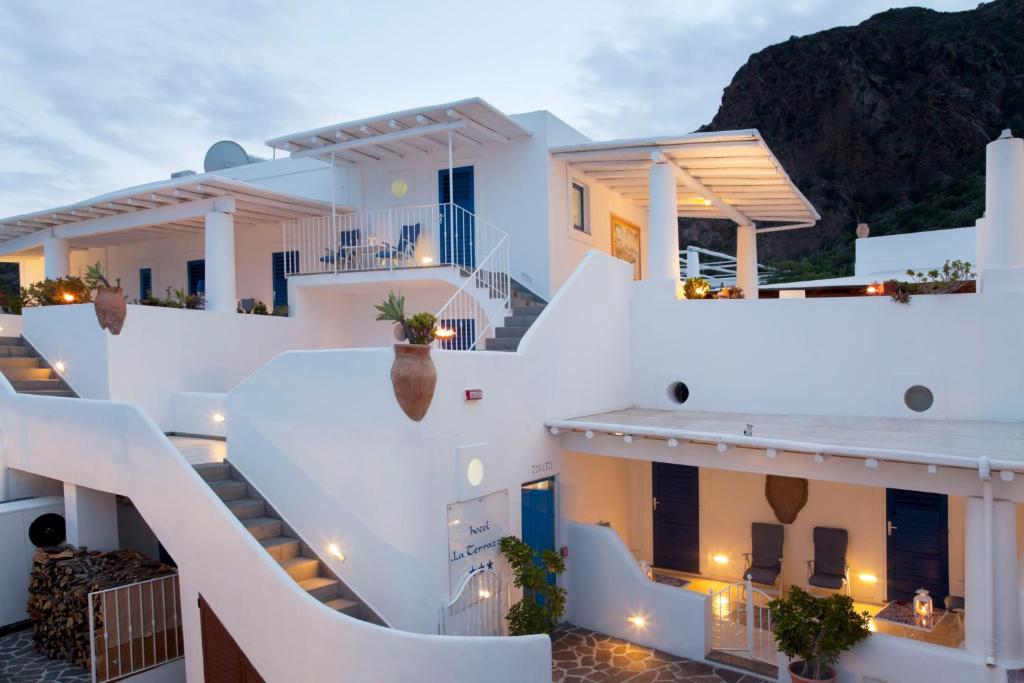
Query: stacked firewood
[[58, 600]]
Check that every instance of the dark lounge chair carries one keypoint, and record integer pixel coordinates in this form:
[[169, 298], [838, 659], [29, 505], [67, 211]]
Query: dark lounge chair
[[764, 561], [406, 248], [347, 239], [828, 569]]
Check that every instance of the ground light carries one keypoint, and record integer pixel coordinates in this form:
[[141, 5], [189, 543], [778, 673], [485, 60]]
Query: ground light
[[868, 578], [335, 551], [637, 620], [59, 366], [218, 417], [720, 559]]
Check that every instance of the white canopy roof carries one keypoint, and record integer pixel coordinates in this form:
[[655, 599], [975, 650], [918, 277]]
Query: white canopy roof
[[412, 132], [161, 209], [731, 175]]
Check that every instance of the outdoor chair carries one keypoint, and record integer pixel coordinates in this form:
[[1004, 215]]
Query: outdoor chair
[[405, 251], [348, 240], [764, 561], [828, 569]]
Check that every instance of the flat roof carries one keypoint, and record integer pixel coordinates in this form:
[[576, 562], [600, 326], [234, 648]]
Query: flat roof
[[952, 443], [736, 169], [253, 204], [410, 132]]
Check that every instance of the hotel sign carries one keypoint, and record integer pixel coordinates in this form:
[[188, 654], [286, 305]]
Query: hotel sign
[[475, 528]]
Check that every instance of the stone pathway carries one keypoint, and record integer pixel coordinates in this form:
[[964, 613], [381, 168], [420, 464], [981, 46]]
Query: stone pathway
[[20, 663], [579, 655]]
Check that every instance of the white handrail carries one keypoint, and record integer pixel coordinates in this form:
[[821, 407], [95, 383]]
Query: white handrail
[[742, 621], [478, 607]]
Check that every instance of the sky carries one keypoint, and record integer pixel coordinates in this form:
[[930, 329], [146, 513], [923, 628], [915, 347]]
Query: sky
[[102, 95]]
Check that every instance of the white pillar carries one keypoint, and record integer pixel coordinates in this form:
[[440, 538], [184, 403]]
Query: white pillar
[[220, 262], [90, 517], [1000, 237], [56, 258], [692, 263], [662, 225], [1004, 580], [746, 260]]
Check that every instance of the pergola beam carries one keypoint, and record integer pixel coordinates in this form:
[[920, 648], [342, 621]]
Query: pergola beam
[[688, 181], [358, 143]]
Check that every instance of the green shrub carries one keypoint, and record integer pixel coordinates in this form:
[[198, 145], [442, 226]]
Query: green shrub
[[542, 605], [59, 292], [816, 630]]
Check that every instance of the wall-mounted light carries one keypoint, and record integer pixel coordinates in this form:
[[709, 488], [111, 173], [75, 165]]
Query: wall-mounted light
[[868, 578], [475, 471], [1006, 475], [637, 620], [722, 447], [820, 458], [444, 332], [218, 417], [589, 434], [426, 260], [627, 438], [720, 559], [68, 297], [554, 431], [933, 469], [335, 551], [484, 593], [771, 452], [871, 463], [59, 366], [672, 443]]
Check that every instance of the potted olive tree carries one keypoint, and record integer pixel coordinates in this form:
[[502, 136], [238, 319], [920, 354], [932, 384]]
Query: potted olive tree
[[413, 376], [814, 631], [111, 307], [543, 603]]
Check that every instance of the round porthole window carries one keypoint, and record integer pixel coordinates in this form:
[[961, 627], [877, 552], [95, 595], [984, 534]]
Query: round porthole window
[[918, 398], [399, 187], [47, 530], [475, 472], [678, 392]]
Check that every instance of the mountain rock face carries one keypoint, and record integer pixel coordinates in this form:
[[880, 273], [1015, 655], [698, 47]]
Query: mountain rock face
[[885, 122]]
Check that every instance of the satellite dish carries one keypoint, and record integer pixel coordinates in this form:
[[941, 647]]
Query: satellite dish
[[225, 154]]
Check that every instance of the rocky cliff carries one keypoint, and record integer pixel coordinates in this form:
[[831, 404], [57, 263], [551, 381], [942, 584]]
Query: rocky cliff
[[884, 122]]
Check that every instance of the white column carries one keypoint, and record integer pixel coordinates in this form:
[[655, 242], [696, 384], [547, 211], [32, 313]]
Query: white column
[[662, 225], [1003, 580], [56, 258], [746, 260], [1000, 237], [220, 262], [91, 517], [692, 263]]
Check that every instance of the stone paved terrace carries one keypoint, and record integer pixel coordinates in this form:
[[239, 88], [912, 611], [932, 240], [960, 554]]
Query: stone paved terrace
[[20, 663], [579, 655]]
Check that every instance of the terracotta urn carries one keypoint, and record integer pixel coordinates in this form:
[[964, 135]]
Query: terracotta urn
[[796, 678], [111, 308], [413, 378]]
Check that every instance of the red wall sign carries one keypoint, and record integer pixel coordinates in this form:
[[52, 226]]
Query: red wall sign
[[474, 394]]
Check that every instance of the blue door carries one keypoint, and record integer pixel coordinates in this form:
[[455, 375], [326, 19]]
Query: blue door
[[918, 544], [539, 516], [458, 233], [197, 277], [676, 517], [145, 283], [277, 269]]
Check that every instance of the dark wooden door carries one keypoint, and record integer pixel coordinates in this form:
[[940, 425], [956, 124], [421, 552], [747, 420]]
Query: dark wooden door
[[918, 544], [676, 517], [223, 660]]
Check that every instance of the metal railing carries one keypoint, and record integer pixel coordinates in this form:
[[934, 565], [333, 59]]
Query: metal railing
[[134, 627], [478, 607], [742, 622], [717, 268]]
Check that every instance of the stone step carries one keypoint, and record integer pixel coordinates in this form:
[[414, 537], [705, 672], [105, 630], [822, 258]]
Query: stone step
[[15, 352], [246, 508], [281, 548], [519, 320], [19, 361], [532, 310], [301, 568], [496, 344], [214, 471], [747, 664], [511, 332], [323, 588], [11, 341], [26, 373], [36, 385], [263, 527], [57, 393], [229, 489], [349, 607]]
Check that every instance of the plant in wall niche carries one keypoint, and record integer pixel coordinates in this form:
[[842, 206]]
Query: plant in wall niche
[[58, 292], [951, 278], [254, 306], [111, 307], [413, 376], [730, 293], [815, 631], [543, 604], [696, 288]]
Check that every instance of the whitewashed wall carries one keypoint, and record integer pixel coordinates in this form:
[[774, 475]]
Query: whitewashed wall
[[10, 325], [921, 251], [854, 356], [359, 473]]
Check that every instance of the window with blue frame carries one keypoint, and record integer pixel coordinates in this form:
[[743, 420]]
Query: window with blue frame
[[145, 283], [197, 277], [278, 260]]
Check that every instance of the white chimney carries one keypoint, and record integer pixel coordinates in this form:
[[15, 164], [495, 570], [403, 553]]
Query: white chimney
[[1000, 235]]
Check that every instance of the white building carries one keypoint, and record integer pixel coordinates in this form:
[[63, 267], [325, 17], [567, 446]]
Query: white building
[[615, 397]]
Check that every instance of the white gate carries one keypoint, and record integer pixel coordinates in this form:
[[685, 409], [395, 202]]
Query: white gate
[[135, 627], [741, 622], [478, 607]]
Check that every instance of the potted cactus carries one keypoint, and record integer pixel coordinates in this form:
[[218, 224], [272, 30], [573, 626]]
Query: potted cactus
[[413, 376], [109, 301]]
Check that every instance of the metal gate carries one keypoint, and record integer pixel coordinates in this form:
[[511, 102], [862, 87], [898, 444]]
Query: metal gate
[[741, 622], [478, 607], [134, 627]]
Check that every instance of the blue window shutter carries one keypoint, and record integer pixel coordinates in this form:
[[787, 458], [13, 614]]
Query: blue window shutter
[[197, 277], [145, 283], [277, 267]]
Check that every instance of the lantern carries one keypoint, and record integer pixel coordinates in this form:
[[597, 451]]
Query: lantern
[[922, 607]]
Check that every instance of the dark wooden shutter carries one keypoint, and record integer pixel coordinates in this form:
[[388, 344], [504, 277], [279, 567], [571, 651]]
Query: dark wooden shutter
[[145, 283], [197, 277], [223, 660]]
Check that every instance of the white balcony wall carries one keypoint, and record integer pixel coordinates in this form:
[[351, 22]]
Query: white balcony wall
[[358, 472], [854, 356]]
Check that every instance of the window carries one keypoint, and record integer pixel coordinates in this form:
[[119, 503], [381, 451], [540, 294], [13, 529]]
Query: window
[[197, 277], [145, 283], [278, 274], [579, 208]]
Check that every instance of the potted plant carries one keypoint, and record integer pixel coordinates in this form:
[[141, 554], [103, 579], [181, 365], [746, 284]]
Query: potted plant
[[413, 376], [814, 631], [696, 288], [542, 604], [111, 307]]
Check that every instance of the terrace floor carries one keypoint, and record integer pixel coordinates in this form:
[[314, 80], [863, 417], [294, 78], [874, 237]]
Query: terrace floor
[[21, 663], [579, 655]]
